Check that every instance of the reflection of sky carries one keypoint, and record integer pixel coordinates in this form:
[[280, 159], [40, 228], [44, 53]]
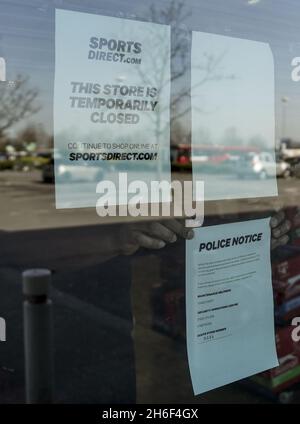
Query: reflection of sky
[[27, 43], [243, 98]]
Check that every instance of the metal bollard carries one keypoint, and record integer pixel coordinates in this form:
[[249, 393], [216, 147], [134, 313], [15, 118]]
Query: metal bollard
[[37, 310]]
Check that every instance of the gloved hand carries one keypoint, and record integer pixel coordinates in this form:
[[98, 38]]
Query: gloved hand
[[157, 234], [152, 235], [280, 226]]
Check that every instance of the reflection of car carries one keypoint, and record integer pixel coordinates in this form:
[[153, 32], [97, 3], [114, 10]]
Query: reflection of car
[[66, 172], [48, 172], [78, 172], [283, 168], [262, 165], [182, 156]]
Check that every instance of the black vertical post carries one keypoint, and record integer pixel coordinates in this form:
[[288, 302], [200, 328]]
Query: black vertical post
[[38, 344]]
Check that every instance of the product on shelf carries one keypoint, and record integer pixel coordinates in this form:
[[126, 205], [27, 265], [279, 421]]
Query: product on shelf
[[288, 372]]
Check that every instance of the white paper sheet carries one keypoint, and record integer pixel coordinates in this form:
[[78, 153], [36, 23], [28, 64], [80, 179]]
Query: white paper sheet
[[232, 93], [229, 303], [111, 104]]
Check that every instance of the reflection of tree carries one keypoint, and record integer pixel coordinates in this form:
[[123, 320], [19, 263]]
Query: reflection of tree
[[32, 134], [231, 137], [204, 136], [258, 142], [175, 14], [17, 102]]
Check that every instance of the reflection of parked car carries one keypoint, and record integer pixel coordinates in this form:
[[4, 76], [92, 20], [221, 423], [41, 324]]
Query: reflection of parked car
[[48, 172], [182, 156], [75, 172], [283, 168], [78, 172], [262, 165]]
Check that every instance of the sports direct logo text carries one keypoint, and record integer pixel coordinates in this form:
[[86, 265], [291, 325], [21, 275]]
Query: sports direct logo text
[[158, 199], [112, 50]]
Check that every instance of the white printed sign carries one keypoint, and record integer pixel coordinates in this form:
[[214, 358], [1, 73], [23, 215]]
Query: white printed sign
[[111, 104], [229, 303]]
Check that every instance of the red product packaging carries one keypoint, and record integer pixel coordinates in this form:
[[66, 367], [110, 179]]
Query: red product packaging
[[286, 279], [288, 371], [293, 215]]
